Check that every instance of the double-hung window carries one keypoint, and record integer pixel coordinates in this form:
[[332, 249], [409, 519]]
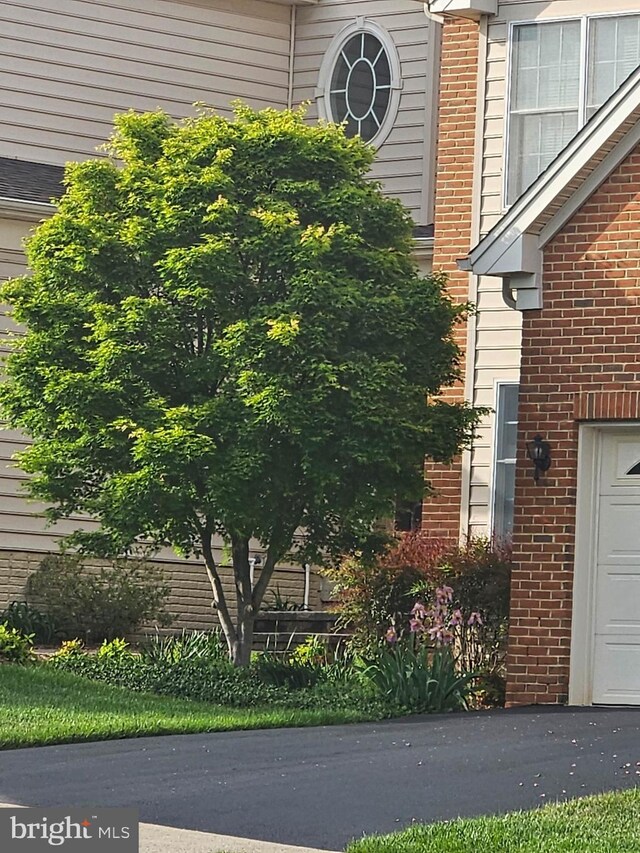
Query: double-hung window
[[561, 72], [504, 472]]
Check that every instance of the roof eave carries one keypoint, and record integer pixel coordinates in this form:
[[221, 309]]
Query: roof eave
[[31, 211]]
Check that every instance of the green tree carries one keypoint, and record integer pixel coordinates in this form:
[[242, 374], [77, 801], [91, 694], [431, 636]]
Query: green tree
[[226, 336]]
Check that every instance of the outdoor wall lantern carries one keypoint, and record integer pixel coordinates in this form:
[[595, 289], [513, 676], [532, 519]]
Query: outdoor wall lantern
[[538, 451]]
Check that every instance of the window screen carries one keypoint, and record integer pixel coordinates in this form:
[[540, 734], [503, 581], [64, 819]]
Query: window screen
[[545, 98], [553, 93]]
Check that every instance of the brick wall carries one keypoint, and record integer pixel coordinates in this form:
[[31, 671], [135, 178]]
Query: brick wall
[[580, 361], [453, 206]]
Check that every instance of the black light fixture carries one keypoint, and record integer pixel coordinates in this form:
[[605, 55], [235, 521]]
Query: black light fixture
[[539, 453]]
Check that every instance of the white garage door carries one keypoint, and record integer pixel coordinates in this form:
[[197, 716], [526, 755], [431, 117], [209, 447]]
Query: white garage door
[[616, 676]]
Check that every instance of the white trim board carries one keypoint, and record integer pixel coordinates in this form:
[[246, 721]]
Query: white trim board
[[590, 442]]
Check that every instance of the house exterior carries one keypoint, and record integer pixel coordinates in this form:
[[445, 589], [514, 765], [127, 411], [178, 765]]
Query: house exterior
[[537, 221], [508, 126], [68, 67]]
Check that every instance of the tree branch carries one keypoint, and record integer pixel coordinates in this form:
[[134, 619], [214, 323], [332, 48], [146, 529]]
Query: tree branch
[[280, 541], [216, 585]]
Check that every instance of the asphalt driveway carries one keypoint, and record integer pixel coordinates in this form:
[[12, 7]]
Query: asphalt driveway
[[321, 787]]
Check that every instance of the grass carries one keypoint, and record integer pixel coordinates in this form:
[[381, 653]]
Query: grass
[[40, 706], [607, 823]]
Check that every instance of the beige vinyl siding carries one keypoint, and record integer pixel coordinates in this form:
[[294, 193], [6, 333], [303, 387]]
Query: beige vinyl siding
[[405, 159], [189, 600], [497, 359], [68, 67]]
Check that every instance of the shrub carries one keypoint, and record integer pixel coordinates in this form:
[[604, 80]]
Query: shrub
[[114, 649], [98, 604], [374, 595], [313, 652], [311, 663], [15, 647], [188, 645], [376, 592], [27, 619], [70, 649], [480, 573], [220, 683], [286, 671]]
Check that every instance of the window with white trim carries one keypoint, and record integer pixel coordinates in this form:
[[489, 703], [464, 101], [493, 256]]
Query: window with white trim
[[360, 87], [360, 81], [504, 473], [561, 73]]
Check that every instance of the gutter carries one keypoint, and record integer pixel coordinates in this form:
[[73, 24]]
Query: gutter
[[423, 247], [31, 211]]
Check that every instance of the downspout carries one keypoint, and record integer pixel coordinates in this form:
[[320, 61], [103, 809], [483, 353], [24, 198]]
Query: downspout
[[472, 330], [307, 586], [507, 294], [292, 53]]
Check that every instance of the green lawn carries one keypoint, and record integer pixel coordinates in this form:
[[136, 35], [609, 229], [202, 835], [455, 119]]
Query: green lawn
[[40, 706], [609, 823]]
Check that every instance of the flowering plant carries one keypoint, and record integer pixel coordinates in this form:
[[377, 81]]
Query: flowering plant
[[440, 621]]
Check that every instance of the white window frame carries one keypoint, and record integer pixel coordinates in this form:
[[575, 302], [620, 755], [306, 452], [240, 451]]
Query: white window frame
[[323, 91], [582, 91], [494, 452]]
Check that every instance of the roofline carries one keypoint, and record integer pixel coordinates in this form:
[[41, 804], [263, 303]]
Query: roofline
[[423, 246], [20, 208]]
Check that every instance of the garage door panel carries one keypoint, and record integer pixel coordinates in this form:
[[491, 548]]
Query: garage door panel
[[617, 670], [619, 532], [621, 457], [618, 597]]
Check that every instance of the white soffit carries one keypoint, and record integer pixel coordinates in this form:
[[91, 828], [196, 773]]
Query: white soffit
[[463, 8]]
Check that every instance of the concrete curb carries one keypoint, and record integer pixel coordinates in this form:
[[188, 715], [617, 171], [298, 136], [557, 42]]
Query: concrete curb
[[159, 839]]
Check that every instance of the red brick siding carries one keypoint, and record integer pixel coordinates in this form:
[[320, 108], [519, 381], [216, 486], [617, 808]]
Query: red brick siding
[[580, 361], [453, 206]]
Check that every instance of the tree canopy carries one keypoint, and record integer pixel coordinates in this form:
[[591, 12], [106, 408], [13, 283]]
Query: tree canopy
[[226, 336]]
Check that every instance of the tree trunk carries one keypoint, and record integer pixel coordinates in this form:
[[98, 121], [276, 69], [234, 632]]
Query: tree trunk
[[239, 635], [243, 645]]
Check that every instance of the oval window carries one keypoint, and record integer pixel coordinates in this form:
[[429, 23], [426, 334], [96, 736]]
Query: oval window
[[360, 87]]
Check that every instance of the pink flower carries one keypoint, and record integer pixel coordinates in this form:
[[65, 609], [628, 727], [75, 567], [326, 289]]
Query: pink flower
[[475, 619], [418, 611], [447, 637], [457, 617], [415, 626], [444, 594], [391, 636]]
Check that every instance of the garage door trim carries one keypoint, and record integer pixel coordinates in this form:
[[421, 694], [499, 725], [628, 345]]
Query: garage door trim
[[583, 639]]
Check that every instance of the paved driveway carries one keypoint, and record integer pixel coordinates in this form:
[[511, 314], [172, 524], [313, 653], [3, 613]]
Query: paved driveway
[[320, 787]]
